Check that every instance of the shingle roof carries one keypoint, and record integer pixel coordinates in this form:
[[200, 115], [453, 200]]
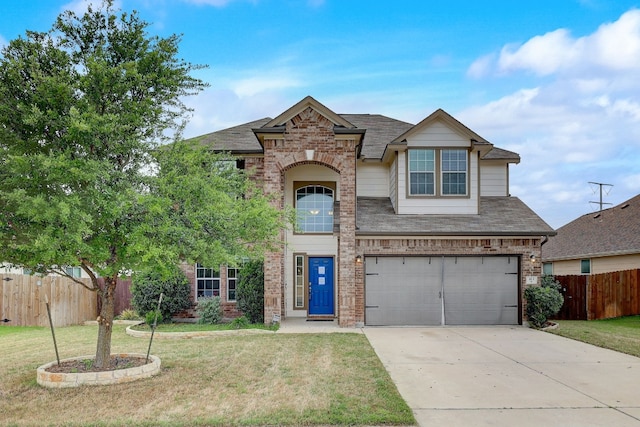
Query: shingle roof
[[506, 216], [613, 231], [237, 139], [380, 130]]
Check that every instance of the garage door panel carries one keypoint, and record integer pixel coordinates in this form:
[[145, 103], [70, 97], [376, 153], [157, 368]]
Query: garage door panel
[[402, 291], [407, 290], [481, 290]]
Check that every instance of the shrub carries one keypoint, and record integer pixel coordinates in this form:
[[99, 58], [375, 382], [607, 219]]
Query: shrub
[[240, 322], [129, 314], [150, 317], [543, 301], [209, 310], [148, 285], [250, 291]]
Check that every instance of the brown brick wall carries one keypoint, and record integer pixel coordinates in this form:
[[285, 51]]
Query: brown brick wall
[[310, 130]]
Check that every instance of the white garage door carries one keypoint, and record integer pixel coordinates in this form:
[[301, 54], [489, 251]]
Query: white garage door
[[441, 290]]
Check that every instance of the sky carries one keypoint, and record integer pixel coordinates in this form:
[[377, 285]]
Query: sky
[[556, 81]]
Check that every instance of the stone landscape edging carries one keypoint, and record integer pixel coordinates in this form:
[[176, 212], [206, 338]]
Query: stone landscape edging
[[117, 376], [194, 334]]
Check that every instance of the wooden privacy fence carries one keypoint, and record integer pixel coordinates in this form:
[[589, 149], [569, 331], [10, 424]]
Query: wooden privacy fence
[[23, 300], [122, 297], [600, 296]]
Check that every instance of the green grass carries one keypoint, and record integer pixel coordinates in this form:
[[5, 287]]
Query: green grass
[[195, 327], [620, 334], [231, 380], [12, 330]]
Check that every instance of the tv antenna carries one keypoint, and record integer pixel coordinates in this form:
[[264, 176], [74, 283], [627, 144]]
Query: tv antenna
[[601, 185]]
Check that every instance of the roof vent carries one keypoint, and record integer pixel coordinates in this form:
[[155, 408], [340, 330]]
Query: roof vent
[[596, 216], [626, 205]]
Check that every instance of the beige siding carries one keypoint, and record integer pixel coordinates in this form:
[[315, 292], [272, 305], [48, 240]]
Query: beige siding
[[494, 178], [438, 135], [437, 205], [393, 183], [598, 265], [372, 180]]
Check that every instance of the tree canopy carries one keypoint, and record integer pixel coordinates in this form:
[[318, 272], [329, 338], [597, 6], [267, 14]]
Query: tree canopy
[[86, 175]]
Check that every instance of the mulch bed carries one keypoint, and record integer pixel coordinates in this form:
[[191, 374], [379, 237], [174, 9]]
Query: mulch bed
[[86, 365]]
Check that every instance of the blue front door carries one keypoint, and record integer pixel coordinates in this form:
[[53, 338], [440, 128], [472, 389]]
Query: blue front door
[[320, 286]]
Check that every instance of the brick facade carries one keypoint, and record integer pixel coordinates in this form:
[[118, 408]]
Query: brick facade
[[309, 138]]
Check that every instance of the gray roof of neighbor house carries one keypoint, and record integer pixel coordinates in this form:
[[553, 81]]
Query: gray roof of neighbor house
[[379, 131], [498, 216], [613, 231]]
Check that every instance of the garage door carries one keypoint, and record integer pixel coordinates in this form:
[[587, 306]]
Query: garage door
[[441, 290]]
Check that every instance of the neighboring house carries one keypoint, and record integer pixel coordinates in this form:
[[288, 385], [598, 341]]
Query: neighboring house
[[398, 224], [598, 242]]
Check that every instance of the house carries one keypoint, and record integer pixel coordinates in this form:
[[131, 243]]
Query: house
[[598, 242], [398, 224]]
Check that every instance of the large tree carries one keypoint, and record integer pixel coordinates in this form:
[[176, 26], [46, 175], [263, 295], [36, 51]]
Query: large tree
[[85, 175]]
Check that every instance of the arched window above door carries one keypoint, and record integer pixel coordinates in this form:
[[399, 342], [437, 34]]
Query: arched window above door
[[314, 207]]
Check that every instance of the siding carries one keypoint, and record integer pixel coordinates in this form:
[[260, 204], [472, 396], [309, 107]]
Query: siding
[[438, 135], [372, 180], [437, 205], [494, 178], [598, 265], [393, 183]]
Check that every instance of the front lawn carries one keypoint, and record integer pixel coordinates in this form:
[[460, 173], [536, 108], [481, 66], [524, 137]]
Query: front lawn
[[266, 379], [620, 334]]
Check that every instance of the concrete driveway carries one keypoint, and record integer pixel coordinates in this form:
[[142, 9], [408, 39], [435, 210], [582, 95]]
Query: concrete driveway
[[508, 376]]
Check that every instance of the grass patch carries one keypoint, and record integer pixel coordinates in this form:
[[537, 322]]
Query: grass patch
[[12, 330], [620, 334], [265, 379], [196, 327]]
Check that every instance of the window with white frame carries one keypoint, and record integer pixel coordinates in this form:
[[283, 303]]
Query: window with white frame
[[446, 177], [207, 282], [73, 271], [585, 266], [314, 208], [232, 282]]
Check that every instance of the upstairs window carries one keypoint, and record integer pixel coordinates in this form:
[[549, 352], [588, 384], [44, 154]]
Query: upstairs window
[[454, 172], [422, 171], [585, 266], [314, 207], [438, 172]]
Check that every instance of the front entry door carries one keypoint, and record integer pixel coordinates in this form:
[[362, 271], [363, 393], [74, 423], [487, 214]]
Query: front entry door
[[320, 286]]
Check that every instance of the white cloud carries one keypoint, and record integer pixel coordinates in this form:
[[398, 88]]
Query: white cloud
[[261, 82], [3, 42], [613, 46], [575, 119]]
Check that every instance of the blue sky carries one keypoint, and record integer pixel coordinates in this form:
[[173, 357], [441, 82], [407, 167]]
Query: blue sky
[[553, 80]]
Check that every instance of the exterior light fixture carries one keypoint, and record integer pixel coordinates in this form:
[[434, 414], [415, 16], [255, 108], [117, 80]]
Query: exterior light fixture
[[532, 258], [358, 259]]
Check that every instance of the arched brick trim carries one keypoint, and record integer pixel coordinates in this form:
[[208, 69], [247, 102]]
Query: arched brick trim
[[333, 167]]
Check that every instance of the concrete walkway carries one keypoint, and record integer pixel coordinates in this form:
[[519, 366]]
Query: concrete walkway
[[508, 376]]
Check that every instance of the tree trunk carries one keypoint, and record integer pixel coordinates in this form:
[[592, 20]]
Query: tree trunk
[[105, 321]]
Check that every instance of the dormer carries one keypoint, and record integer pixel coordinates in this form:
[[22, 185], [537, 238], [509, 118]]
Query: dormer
[[434, 167]]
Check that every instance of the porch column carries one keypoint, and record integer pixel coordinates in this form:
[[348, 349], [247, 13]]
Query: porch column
[[347, 304]]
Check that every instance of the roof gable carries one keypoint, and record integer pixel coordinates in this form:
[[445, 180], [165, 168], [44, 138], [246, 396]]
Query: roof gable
[[308, 102], [443, 116]]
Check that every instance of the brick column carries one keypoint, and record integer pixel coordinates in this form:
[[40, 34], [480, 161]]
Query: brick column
[[273, 261], [347, 244]]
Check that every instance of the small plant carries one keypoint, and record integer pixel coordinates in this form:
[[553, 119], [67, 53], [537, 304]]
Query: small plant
[[543, 301], [88, 364], [240, 322], [150, 317], [129, 314], [209, 310]]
